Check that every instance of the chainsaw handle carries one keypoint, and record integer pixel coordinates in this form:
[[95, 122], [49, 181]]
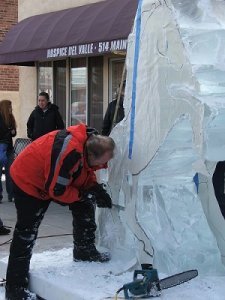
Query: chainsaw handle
[[138, 272]]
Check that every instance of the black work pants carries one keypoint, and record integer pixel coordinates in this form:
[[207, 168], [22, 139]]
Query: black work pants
[[84, 225], [219, 185], [30, 212]]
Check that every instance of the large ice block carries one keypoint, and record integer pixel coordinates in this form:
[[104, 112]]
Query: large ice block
[[165, 208]]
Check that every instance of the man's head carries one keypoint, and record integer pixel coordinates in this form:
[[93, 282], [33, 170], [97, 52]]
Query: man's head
[[99, 149], [43, 100]]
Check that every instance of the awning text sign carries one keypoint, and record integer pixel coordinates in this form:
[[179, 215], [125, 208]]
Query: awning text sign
[[88, 49]]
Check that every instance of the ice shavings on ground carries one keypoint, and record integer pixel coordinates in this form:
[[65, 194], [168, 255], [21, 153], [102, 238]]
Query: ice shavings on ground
[[96, 281], [93, 280]]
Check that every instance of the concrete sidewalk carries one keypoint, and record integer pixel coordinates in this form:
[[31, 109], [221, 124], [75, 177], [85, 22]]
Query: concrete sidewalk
[[57, 221]]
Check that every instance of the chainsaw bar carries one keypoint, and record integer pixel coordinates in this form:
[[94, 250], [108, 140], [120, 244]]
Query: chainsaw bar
[[177, 279]]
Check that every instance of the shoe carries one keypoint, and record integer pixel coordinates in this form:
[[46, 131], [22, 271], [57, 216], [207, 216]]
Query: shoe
[[90, 254], [10, 199], [4, 231], [18, 293]]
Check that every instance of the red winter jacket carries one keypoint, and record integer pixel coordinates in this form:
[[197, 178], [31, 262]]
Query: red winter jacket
[[54, 166]]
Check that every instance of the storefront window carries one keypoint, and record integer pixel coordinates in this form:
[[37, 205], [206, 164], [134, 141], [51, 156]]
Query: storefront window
[[78, 90], [45, 78], [95, 94], [116, 70], [86, 87], [60, 87]]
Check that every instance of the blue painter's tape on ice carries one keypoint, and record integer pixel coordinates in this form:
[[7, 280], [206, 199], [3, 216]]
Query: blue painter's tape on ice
[[134, 81], [196, 181]]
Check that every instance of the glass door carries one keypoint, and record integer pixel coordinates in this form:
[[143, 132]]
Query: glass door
[[45, 78], [78, 90], [60, 87], [115, 75], [95, 94]]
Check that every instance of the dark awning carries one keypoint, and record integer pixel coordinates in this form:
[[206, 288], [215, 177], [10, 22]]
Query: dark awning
[[93, 29]]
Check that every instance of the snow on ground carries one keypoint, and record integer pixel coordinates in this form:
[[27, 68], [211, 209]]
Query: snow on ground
[[91, 280], [2, 293], [98, 281]]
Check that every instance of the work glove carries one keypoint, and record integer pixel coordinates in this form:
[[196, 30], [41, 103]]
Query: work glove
[[104, 200], [100, 196]]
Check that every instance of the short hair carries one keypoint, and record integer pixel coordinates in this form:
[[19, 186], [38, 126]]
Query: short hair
[[44, 94], [97, 145]]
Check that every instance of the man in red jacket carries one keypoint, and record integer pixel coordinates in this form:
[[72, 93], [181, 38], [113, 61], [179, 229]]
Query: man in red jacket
[[60, 166]]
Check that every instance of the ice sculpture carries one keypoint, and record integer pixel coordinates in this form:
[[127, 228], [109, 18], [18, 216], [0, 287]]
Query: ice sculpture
[[161, 214]]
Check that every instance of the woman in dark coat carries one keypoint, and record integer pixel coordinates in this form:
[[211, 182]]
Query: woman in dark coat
[[107, 124], [44, 118], [109, 116], [7, 131]]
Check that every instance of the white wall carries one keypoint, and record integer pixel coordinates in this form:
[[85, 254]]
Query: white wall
[[28, 8]]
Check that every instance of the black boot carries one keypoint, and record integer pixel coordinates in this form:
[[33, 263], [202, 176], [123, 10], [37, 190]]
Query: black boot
[[10, 198], [90, 253], [4, 230], [84, 228], [18, 293]]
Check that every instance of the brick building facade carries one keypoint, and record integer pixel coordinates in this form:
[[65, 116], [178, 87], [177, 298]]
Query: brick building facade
[[9, 75]]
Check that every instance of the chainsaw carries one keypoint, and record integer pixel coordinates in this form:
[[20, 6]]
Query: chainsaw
[[146, 282]]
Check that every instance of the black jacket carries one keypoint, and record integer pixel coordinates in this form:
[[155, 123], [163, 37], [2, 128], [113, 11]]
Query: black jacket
[[6, 134], [40, 122], [108, 119]]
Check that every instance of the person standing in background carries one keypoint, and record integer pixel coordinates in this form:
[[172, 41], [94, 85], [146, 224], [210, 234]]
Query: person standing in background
[[7, 132], [44, 118], [109, 115]]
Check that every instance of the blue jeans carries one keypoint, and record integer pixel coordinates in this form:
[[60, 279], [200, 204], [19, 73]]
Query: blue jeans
[[1, 223], [9, 186]]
